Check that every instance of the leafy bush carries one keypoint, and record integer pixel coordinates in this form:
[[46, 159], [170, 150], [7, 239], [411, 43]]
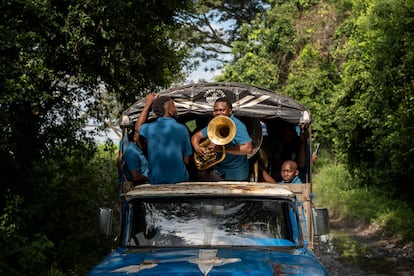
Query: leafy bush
[[336, 189]]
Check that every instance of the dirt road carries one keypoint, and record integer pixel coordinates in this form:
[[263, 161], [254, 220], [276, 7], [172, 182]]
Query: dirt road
[[360, 249]]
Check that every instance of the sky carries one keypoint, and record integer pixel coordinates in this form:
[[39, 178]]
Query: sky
[[201, 74]]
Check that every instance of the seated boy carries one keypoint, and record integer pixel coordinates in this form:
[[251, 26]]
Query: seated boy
[[290, 173]]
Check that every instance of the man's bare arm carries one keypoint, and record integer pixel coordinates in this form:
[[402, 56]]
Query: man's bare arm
[[195, 141], [136, 176], [149, 99], [242, 149]]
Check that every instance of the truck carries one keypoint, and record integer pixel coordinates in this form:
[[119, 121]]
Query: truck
[[210, 228]]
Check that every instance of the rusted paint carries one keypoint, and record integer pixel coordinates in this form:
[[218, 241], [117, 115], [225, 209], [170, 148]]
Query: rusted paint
[[210, 188], [280, 269]]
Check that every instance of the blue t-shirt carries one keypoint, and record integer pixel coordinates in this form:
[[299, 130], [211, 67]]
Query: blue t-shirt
[[295, 180], [167, 142], [234, 167], [135, 160]]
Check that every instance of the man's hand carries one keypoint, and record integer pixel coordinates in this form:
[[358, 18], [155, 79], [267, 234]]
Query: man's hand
[[150, 98]]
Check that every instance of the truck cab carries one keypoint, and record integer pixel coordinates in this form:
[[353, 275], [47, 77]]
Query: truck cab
[[226, 227]]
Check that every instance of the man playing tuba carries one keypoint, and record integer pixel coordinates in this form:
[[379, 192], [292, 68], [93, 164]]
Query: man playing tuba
[[235, 165]]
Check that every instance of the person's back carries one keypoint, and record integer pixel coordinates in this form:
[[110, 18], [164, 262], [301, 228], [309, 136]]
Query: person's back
[[168, 142]]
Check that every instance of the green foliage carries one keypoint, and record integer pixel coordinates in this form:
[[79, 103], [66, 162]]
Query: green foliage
[[33, 252], [40, 233], [56, 56], [332, 180], [265, 49], [341, 194], [10, 221], [311, 81], [64, 65], [397, 219], [85, 186], [288, 49], [312, 74], [36, 253], [376, 95], [213, 25]]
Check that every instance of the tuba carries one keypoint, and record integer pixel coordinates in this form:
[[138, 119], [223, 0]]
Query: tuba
[[220, 131]]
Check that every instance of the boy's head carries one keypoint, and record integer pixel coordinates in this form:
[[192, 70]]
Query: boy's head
[[134, 137], [289, 170]]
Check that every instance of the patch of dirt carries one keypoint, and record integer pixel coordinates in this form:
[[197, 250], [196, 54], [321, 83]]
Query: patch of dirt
[[375, 238], [385, 249]]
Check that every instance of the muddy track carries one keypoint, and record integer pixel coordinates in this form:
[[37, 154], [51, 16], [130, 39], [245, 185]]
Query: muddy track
[[373, 252]]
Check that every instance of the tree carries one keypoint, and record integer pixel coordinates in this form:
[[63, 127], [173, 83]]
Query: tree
[[60, 61], [265, 49], [287, 49], [212, 27], [312, 81], [377, 95]]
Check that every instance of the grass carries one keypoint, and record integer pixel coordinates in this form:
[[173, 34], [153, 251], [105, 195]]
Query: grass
[[336, 190]]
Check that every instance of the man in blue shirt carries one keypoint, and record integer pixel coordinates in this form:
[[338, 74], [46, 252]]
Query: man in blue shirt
[[136, 164], [235, 165], [132, 163], [168, 142]]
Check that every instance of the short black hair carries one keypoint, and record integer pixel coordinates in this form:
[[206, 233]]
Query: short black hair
[[130, 134], [225, 100], [158, 105]]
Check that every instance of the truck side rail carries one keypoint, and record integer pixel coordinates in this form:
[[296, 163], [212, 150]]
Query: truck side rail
[[303, 196]]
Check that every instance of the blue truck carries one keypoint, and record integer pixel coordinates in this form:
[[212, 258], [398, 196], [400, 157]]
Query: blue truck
[[222, 228]]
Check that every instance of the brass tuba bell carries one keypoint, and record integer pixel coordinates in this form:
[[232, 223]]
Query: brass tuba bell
[[220, 131]]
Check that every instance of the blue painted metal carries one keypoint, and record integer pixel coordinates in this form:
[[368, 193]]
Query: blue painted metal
[[179, 261]]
